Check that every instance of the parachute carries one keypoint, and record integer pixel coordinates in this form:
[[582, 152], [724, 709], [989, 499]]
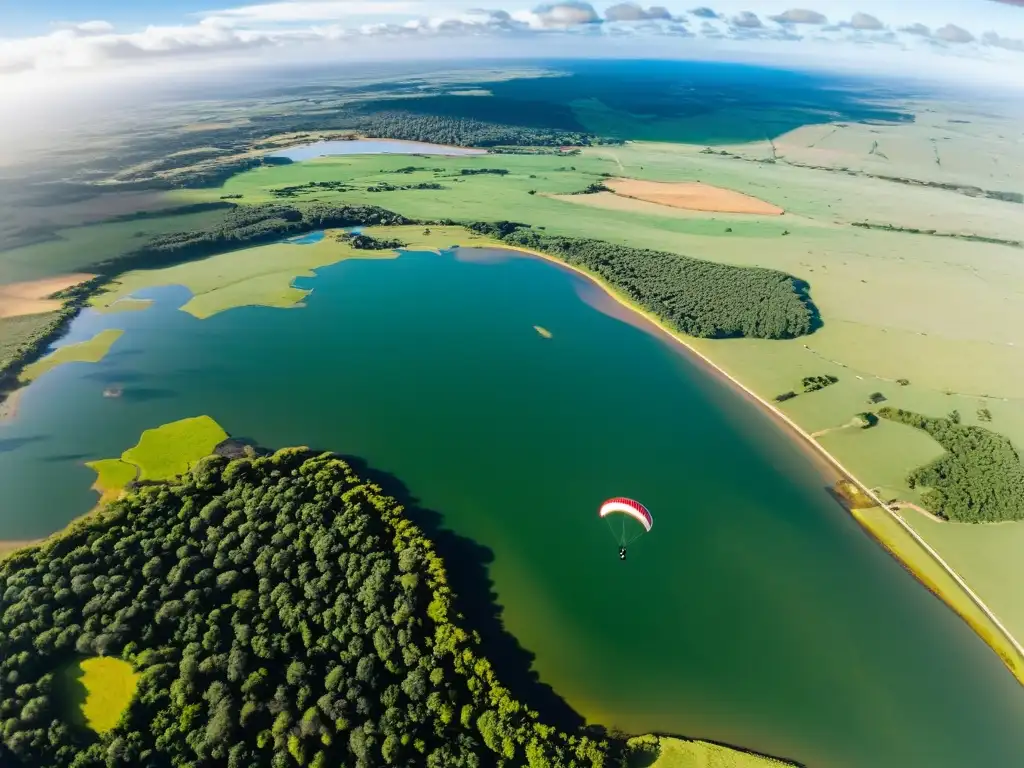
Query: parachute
[[632, 512]]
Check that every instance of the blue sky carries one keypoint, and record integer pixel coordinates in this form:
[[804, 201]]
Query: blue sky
[[47, 41]]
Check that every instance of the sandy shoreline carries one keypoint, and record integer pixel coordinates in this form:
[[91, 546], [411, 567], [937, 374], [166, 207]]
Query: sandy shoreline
[[814, 449]]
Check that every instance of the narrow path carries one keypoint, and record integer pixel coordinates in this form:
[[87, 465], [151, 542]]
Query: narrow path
[[921, 510]]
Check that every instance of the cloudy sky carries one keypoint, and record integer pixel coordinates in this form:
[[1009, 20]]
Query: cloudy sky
[[54, 41]]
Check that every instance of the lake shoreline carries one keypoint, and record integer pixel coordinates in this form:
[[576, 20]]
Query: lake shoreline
[[814, 450]]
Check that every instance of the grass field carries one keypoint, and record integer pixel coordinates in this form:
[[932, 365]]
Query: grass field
[[169, 450], [15, 331], [97, 691], [897, 540], [91, 351], [264, 275], [112, 475], [686, 753]]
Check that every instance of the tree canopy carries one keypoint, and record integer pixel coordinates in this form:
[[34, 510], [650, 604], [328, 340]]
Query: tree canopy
[[281, 611], [699, 298], [980, 478], [248, 225]]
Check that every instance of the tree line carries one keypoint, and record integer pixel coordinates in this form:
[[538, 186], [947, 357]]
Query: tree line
[[979, 479], [246, 226], [281, 611], [463, 131], [33, 347], [699, 298]]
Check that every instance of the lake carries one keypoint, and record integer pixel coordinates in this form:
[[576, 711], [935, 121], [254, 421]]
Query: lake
[[370, 147], [755, 613]]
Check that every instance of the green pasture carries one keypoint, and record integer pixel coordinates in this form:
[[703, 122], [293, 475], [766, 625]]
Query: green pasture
[[687, 753], [112, 475], [15, 331], [264, 275], [91, 351], [169, 450], [97, 691]]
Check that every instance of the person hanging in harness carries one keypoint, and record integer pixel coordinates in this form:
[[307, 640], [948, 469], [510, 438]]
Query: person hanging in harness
[[629, 509]]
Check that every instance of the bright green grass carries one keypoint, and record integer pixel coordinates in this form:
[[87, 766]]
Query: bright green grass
[[97, 691], [91, 351], [684, 753], [167, 451], [112, 475], [988, 557], [124, 305], [264, 275]]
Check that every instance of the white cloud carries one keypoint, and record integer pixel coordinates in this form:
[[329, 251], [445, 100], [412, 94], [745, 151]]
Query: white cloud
[[951, 33], [634, 12], [865, 21], [333, 28], [1009, 43], [308, 11], [86, 27], [799, 16], [747, 20]]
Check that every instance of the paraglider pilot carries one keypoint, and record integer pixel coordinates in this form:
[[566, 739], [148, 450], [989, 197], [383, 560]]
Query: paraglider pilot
[[622, 553]]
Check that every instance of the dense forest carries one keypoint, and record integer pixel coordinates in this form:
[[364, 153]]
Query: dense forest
[[980, 478], [463, 131], [282, 612], [699, 298], [250, 225], [368, 243]]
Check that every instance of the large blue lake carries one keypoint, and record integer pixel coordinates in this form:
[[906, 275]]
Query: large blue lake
[[756, 612]]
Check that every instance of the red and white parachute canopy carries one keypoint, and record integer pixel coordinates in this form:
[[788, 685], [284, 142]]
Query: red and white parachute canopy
[[622, 505]]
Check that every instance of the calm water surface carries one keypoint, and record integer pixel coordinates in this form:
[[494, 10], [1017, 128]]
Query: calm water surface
[[371, 147], [756, 612]]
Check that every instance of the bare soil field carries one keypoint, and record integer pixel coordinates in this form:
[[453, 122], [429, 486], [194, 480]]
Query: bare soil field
[[32, 296], [692, 196]]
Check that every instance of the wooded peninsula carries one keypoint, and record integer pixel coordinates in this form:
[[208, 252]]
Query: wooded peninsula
[[281, 611]]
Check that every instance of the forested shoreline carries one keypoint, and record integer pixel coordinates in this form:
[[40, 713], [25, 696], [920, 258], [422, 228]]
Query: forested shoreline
[[281, 611], [699, 298], [75, 297], [246, 226]]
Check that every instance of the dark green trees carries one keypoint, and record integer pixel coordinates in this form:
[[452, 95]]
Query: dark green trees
[[699, 298], [281, 611], [980, 478]]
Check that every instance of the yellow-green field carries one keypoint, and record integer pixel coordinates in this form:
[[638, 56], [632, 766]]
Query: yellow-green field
[[97, 691], [91, 351], [162, 453], [169, 450], [686, 753], [264, 275], [112, 475]]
